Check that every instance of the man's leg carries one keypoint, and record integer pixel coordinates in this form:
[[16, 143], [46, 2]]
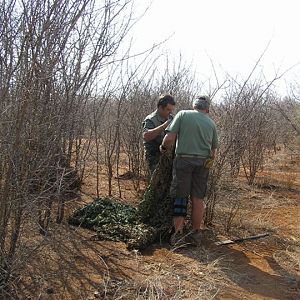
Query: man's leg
[[179, 224], [179, 191], [198, 208], [178, 238], [199, 187], [179, 213]]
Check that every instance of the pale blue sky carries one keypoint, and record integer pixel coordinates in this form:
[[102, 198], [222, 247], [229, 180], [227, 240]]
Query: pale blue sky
[[233, 33]]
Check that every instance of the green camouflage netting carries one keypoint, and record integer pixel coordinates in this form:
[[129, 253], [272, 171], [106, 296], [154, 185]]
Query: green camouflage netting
[[137, 227], [156, 207]]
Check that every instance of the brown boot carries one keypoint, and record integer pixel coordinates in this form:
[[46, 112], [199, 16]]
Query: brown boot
[[195, 238], [178, 239]]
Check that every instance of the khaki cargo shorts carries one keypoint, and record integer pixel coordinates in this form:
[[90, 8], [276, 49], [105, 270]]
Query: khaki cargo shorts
[[189, 177]]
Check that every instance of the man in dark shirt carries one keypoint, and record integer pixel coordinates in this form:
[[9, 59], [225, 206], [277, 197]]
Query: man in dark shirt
[[154, 126]]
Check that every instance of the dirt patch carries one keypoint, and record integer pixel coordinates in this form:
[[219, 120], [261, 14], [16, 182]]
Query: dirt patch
[[68, 264]]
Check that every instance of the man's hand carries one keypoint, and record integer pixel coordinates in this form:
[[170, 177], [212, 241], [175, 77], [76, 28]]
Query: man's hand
[[151, 134], [162, 149], [167, 142], [209, 163], [167, 123]]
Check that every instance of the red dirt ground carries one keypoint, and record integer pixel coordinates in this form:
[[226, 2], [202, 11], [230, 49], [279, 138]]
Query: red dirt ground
[[69, 265]]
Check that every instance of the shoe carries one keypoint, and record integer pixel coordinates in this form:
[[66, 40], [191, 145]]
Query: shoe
[[178, 240], [194, 238]]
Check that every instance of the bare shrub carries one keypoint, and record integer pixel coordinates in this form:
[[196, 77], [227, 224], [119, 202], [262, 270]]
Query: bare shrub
[[246, 126], [50, 55]]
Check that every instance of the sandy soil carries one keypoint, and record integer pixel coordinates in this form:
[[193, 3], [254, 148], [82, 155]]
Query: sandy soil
[[68, 264]]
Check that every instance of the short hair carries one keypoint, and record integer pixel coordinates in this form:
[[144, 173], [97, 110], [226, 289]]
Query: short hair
[[164, 100], [201, 102]]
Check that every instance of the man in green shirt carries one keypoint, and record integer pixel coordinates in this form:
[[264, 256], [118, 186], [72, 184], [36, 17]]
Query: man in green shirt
[[154, 126], [196, 143]]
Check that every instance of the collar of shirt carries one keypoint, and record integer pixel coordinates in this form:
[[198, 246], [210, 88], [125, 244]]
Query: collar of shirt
[[159, 118]]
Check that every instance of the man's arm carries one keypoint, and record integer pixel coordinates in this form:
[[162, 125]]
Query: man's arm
[[151, 134], [213, 153], [171, 135], [168, 141]]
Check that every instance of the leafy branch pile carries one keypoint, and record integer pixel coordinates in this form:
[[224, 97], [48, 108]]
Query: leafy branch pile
[[137, 227]]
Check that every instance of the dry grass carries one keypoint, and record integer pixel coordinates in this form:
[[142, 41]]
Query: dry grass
[[71, 266], [289, 260], [173, 276]]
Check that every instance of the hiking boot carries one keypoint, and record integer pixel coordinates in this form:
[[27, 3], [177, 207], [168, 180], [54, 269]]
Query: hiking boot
[[178, 240], [194, 238]]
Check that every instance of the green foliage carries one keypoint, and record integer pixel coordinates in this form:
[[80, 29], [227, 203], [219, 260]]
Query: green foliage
[[138, 228], [156, 207], [114, 221], [98, 212]]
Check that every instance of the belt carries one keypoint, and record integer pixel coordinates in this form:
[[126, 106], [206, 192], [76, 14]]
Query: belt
[[190, 155]]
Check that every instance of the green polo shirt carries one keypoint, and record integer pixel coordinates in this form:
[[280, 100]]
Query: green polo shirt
[[150, 122], [196, 133]]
